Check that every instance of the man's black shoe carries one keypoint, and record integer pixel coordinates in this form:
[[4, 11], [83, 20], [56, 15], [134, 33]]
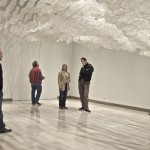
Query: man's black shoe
[[38, 103], [81, 108], [87, 110], [5, 130], [65, 107], [61, 107]]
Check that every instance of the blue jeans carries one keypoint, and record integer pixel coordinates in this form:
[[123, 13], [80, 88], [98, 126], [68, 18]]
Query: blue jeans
[[63, 97], [36, 88], [2, 124]]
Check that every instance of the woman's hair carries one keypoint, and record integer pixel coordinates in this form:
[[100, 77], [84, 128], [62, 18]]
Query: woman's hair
[[63, 66], [35, 64]]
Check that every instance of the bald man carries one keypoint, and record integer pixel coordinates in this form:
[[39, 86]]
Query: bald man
[[2, 124]]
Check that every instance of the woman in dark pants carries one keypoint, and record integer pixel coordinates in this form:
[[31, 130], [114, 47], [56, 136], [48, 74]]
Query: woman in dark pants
[[63, 83]]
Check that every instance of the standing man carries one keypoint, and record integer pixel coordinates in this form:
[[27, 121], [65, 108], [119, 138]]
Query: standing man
[[36, 77], [84, 83], [2, 124]]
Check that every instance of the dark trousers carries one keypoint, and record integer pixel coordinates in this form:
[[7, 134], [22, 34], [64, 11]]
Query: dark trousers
[[36, 92], [63, 97], [84, 92], [2, 124]]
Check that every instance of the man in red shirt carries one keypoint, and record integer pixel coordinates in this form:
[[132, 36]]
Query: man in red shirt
[[36, 77]]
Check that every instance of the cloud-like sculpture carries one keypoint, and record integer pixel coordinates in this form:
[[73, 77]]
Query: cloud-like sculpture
[[114, 24]]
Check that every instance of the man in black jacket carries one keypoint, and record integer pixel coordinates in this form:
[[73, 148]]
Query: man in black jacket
[[2, 124], [85, 76]]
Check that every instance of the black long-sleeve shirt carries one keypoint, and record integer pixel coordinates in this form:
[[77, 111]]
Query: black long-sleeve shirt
[[86, 72], [1, 78]]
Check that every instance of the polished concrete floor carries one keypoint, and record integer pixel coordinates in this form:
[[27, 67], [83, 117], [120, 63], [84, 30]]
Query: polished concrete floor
[[48, 128]]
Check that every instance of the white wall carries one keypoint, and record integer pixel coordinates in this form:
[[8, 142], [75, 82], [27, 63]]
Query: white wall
[[17, 61], [52, 57], [119, 77]]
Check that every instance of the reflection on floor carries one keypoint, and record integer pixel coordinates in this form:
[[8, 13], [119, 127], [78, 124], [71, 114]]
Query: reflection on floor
[[48, 128]]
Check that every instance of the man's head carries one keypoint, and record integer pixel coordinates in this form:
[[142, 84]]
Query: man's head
[[35, 64], [84, 61], [1, 54]]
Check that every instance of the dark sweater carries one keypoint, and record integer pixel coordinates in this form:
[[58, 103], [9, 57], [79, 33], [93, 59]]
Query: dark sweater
[[1, 78], [86, 73]]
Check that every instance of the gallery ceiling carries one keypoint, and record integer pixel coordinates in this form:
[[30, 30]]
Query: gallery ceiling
[[112, 24]]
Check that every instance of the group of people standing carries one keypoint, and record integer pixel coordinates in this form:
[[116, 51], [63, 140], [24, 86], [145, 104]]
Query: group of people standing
[[85, 75], [36, 77], [83, 84]]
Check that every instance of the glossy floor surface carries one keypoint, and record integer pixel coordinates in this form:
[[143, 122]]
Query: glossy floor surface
[[48, 128]]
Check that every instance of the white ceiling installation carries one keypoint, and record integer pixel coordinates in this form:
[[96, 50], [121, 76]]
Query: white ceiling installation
[[112, 24]]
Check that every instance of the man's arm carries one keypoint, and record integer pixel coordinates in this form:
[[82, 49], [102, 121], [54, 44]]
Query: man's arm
[[41, 76], [88, 70], [30, 76]]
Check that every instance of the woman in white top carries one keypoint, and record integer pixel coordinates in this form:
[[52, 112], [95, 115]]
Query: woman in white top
[[63, 83]]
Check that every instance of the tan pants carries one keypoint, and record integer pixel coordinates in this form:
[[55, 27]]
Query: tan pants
[[84, 92]]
